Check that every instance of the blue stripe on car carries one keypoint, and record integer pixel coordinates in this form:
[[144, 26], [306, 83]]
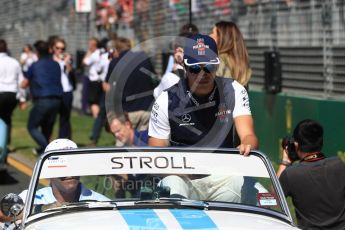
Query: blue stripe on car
[[142, 219], [193, 219]]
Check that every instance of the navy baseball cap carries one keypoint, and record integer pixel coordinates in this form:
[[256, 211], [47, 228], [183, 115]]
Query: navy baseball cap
[[200, 49]]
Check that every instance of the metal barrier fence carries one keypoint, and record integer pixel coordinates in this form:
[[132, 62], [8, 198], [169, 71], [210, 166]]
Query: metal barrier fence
[[25, 21], [308, 34]]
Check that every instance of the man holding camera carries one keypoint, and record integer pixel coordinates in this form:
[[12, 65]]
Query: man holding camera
[[316, 184]]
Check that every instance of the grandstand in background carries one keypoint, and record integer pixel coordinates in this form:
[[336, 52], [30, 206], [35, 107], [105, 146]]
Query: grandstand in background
[[308, 34]]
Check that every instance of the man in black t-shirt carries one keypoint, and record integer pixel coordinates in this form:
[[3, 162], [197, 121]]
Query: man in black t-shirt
[[316, 184]]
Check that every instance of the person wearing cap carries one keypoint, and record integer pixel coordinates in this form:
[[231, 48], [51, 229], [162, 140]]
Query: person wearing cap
[[201, 110], [66, 189], [61, 190], [174, 70]]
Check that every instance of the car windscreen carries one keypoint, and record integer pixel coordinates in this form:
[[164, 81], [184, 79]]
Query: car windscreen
[[220, 178]]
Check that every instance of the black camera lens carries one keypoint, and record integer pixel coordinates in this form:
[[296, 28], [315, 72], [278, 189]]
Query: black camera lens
[[288, 143]]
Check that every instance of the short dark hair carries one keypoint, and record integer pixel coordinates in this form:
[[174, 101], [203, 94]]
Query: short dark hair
[[42, 48], [103, 43], [309, 135], [3, 46], [188, 30]]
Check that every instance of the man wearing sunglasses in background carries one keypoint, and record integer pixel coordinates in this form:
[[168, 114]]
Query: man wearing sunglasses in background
[[201, 110], [68, 84]]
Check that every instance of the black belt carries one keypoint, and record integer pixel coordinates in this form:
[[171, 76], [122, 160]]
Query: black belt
[[8, 92]]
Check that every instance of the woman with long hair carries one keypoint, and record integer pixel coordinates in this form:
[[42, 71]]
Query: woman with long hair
[[234, 61]]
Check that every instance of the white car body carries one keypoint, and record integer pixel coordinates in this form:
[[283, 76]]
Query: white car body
[[195, 219], [270, 210]]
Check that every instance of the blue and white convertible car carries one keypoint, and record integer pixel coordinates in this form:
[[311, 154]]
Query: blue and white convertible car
[[110, 188]]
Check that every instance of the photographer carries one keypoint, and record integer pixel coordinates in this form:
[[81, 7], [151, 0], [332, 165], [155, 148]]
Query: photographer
[[316, 184]]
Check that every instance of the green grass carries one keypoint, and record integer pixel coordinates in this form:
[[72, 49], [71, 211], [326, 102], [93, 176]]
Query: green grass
[[22, 142]]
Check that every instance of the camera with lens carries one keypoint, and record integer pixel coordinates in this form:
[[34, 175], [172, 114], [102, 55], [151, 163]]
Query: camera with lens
[[288, 143]]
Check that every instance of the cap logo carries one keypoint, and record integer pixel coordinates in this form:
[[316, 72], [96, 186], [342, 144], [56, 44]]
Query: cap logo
[[200, 46]]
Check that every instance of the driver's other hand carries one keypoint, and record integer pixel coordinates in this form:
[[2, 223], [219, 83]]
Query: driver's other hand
[[244, 149]]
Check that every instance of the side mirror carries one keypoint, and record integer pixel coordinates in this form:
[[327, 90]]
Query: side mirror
[[11, 205]]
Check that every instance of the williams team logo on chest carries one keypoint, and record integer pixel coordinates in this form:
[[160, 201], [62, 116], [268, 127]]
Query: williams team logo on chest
[[223, 113]]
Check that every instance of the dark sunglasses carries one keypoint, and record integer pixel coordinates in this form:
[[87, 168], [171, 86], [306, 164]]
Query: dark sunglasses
[[60, 48], [209, 68]]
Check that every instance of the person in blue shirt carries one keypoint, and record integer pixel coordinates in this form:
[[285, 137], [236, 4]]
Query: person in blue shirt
[[44, 80], [122, 129], [61, 190]]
